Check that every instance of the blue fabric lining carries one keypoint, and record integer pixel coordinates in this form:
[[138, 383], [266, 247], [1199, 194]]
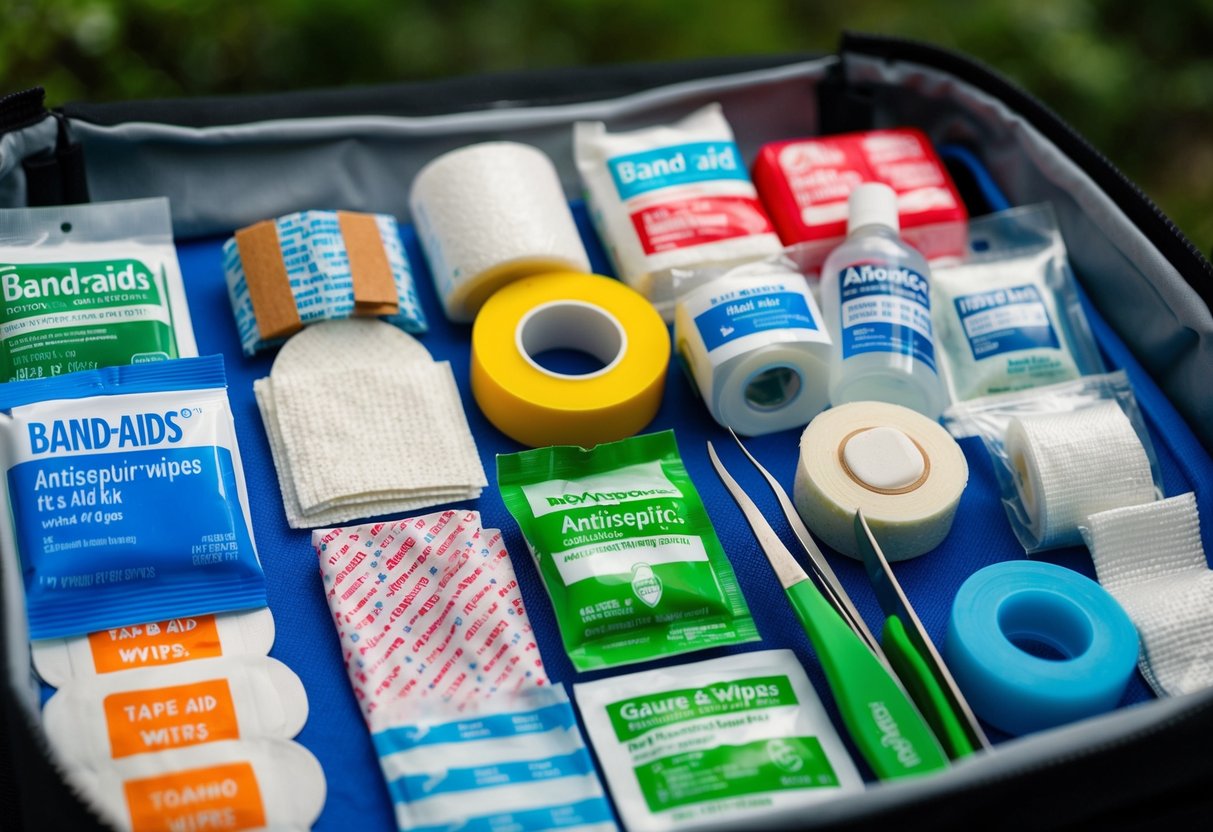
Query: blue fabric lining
[[307, 642]]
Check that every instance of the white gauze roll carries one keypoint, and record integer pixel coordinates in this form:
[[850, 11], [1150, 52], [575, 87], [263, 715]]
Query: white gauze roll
[[489, 214], [1150, 557], [1073, 464], [756, 347], [901, 468]]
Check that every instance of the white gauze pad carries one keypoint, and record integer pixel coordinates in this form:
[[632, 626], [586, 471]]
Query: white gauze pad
[[155, 644], [1151, 559], [156, 709], [1072, 464], [361, 422], [376, 433]]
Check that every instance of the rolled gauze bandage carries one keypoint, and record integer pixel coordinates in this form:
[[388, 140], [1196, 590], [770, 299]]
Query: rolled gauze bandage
[[901, 468], [489, 214], [1070, 465]]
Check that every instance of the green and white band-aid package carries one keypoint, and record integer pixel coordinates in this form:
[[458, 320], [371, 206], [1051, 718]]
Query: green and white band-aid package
[[90, 286], [720, 744], [626, 550]]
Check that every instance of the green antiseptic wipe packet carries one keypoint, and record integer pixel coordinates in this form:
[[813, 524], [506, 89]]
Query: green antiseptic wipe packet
[[626, 550]]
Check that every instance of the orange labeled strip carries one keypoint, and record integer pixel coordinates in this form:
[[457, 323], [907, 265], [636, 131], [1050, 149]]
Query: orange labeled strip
[[171, 717], [154, 644], [217, 797]]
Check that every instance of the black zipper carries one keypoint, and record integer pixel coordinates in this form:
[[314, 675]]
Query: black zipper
[[439, 96], [21, 109], [1171, 242]]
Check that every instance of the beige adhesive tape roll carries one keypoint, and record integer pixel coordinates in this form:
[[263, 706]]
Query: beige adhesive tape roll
[[1071, 465], [489, 214], [901, 468], [596, 315]]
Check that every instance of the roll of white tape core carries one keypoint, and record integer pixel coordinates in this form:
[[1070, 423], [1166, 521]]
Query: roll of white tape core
[[901, 468], [884, 460]]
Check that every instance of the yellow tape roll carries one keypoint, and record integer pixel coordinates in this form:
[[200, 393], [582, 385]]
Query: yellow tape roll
[[593, 314]]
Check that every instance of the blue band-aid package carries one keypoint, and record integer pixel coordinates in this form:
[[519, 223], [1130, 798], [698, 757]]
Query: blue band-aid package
[[518, 763], [317, 263], [98, 465]]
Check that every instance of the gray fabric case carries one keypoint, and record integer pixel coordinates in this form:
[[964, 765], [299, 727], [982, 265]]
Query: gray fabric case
[[1132, 767]]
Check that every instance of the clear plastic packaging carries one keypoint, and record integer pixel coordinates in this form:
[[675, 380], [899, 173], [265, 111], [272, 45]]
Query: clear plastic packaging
[[1062, 453], [1008, 318], [90, 286]]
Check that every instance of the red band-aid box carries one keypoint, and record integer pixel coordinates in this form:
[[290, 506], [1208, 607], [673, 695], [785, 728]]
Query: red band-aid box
[[804, 185]]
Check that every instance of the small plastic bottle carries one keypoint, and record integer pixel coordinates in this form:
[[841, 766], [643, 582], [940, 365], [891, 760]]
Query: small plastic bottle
[[876, 298]]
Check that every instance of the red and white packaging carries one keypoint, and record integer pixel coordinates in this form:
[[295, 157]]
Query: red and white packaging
[[427, 608], [671, 197], [804, 185]]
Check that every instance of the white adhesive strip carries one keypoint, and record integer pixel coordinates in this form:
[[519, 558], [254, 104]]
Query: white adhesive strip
[[1070, 465], [1151, 559], [901, 468]]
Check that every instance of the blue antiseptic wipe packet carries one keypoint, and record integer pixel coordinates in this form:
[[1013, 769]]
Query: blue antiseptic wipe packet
[[126, 497]]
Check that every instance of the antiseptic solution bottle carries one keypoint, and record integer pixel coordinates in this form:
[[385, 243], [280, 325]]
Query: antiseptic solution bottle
[[876, 298]]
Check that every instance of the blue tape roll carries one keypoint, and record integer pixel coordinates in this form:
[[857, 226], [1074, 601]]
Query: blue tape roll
[[1033, 645]]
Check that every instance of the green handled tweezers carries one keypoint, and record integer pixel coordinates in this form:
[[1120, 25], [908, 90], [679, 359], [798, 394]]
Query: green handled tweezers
[[913, 656], [883, 722]]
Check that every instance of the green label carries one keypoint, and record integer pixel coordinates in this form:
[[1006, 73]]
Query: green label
[[58, 318], [626, 550], [732, 771], [634, 717]]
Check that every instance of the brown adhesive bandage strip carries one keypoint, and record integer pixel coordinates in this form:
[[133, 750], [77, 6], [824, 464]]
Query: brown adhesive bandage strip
[[268, 285], [374, 287]]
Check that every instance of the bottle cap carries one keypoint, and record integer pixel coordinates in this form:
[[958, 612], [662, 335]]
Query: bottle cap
[[872, 203]]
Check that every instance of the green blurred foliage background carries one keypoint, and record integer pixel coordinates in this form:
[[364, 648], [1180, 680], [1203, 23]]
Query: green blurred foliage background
[[1136, 78]]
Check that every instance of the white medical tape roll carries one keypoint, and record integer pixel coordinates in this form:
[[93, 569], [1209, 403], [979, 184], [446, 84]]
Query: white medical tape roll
[[1151, 559], [489, 214], [1070, 465], [757, 349], [901, 468]]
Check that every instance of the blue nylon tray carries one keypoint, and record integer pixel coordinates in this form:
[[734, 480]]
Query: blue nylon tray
[[307, 642]]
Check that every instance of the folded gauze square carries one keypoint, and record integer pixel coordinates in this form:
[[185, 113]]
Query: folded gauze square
[[362, 422]]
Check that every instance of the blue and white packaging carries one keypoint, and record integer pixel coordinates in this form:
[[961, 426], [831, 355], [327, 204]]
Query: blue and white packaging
[[517, 763], [755, 346], [126, 497], [1008, 318], [318, 269]]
